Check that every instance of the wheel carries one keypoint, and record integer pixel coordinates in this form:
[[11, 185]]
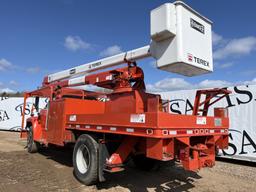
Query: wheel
[[144, 163], [32, 145], [85, 159]]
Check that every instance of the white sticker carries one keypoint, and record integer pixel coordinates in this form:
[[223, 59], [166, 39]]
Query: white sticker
[[72, 118], [173, 132], [109, 77], [137, 118], [212, 131], [217, 122], [201, 120], [112, 128], [130, 130]]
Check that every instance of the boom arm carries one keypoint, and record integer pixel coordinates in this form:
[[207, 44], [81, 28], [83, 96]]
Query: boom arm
[[129, 56]]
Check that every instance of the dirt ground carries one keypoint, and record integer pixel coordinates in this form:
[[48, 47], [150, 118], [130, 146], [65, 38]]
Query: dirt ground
[[51, 170]]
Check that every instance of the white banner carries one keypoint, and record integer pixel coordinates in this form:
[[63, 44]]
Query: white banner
[[11, 111], [241, 104], [242, 112]]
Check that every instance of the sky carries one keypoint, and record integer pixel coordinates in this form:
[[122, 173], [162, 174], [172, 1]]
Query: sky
[[40, 37]]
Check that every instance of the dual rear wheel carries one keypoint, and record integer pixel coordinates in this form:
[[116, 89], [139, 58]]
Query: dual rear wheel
[[85, 159]]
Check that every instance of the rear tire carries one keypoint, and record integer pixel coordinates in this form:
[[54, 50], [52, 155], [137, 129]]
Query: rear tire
[[32, 145], [85, 159]]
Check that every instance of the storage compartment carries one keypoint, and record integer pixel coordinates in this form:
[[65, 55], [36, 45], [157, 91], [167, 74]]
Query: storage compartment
[[181, 39]]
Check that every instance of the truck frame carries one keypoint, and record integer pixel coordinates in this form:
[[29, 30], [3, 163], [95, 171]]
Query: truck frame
[[108, 128]]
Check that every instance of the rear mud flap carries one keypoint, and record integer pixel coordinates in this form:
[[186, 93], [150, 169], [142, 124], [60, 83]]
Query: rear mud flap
[[103, 155]]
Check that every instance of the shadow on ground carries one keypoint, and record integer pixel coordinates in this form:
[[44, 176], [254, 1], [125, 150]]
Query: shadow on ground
[[62, 155], [164, 179]]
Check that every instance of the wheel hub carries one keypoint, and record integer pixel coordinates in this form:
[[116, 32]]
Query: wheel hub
[[83, 159]]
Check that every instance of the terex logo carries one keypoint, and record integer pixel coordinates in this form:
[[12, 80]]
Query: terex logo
[[196, 25], [197, 60], [94, 65], [190, 57]]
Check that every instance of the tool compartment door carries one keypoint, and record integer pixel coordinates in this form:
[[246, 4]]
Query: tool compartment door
[[55, 124]]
